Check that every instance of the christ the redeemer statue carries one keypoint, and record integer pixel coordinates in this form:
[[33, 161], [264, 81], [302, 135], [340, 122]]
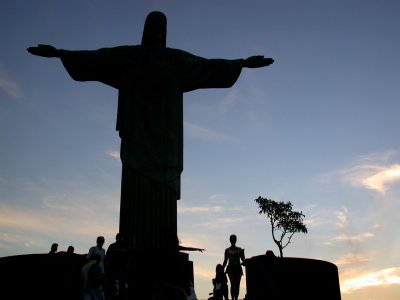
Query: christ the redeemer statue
[[151, 79]]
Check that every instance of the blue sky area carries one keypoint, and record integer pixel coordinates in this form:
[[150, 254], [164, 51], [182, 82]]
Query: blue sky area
[[319, 128]]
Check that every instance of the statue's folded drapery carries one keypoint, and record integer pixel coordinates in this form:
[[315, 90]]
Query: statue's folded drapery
[[151, 82]]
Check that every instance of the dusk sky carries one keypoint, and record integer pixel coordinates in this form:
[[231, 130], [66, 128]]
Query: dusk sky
[[319, 128]]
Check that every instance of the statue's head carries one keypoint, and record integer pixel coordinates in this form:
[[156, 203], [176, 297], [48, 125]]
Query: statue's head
[[155, 30]]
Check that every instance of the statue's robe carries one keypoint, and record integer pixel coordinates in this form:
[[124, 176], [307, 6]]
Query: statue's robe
[[151, 82]]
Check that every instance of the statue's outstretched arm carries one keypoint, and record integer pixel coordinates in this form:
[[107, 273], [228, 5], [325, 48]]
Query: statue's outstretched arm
[[84, 65], [44, 50], [190, 248], [257, 61]]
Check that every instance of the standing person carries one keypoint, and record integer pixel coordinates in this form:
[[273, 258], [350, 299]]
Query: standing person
[[93, 279], [70, 249], [232, 259], [116, 267], [98, 249], [151, 79]]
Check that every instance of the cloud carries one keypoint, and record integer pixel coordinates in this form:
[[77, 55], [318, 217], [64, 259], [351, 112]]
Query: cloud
[[9, 86], [203, 133], [200, 209], [353, 258], [381, 278], [204, 273], [221, 198], [381, 180], [52, 221], [373, 171], [223, 222], [7, 237], [113, 153], [384, 157], [228, 101], [9, 241], [63, 210], [322, 217], [342, 218], [354, 238]]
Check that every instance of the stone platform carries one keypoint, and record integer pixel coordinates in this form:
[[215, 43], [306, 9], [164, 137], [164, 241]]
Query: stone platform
[[290, 278], [58, 276], [41, 276]]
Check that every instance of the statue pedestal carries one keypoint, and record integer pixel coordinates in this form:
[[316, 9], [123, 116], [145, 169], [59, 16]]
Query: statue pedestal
[[291, 278], [150, 272]]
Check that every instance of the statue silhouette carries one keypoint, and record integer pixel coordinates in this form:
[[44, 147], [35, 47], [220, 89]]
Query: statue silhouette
[[151, 79]]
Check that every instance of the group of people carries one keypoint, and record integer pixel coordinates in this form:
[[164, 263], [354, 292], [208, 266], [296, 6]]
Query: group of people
[[104, 274], [54, 249], [232, 266]]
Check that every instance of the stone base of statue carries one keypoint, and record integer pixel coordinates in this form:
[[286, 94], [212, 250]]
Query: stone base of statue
[[270, 277], [155, 273], [58, 276]]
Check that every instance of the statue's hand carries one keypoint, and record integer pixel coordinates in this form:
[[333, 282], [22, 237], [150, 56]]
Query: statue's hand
[[257, 61], [43, 50]]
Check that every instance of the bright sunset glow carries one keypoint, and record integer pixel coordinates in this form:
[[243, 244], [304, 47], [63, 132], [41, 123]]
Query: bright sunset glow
[[383, 178], [382, 278]]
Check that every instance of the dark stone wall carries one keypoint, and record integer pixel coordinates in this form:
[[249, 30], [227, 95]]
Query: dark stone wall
[[41, 276], [269, 278], [58, 276]]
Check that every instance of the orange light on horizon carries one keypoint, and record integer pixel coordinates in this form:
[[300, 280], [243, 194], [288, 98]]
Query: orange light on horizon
[[380, 278]]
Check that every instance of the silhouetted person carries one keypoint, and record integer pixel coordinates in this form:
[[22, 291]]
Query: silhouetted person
[[98, 249], [54, 248], [116, 264], [220, 283], [232, 260], [151, 79], [70, 249], [93, 279]]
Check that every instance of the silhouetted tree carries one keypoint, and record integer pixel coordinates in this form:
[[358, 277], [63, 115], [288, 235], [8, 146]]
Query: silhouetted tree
[[284, 221]]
